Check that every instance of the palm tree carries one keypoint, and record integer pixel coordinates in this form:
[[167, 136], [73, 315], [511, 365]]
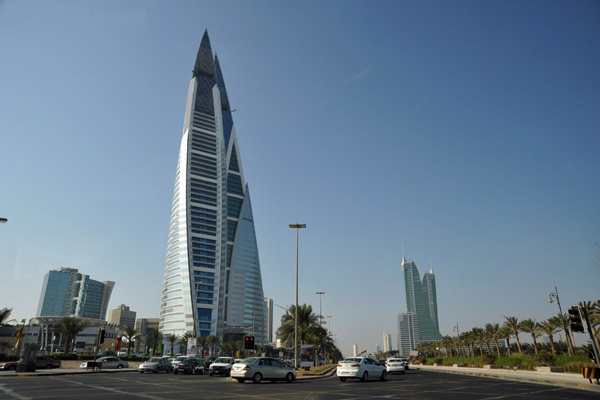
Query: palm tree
[[531, 327], [512, 323], [549, 328], [446, 342], [505, 332], [70, 327], [171, 339], [154, 337], [306, 321], [201, 341], [494, 332], [185, 339], [4, 314], [129, 334], [593, 310], [212, 341], [469, 338], [479, 337]]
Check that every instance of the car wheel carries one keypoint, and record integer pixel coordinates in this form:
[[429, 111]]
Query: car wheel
[[257, 378], [241, 380], [403, 372], [141, 372], [343, 379], [289, 377], [210, 374], [365, 377], [155, 371], [120, 366], [48, 366], [383, 375], [175, 372]]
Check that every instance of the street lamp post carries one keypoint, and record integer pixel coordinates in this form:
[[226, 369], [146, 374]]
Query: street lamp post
[[320, 313], [562, 318], [297, 227]]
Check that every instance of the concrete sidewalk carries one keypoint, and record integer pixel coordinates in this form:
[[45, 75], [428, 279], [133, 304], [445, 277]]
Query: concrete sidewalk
[[563, 379]]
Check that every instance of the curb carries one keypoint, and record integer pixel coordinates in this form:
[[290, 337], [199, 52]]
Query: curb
[[59, 373], [583, 385]]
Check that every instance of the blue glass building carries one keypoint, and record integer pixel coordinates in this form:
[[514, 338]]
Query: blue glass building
[[67, 293], [212, 279], [421, 301]]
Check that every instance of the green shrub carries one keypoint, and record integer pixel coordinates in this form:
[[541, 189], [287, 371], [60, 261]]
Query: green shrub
[[438, 361], [562, 360], [489, 359], [545, 359], [576, 366], [422, 360]]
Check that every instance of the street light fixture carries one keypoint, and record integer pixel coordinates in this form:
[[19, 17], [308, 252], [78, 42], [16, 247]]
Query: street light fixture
[[297, 227], [320, 313], [562, 317], [3, 220]]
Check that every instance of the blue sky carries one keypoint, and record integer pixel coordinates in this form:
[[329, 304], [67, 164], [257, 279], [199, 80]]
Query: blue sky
[[467, 132]]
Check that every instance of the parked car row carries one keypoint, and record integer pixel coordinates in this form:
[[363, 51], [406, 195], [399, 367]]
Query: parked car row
[[41, 362]]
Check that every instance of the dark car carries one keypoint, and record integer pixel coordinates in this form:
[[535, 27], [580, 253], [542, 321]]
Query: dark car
[[189, 366], [46, 362]]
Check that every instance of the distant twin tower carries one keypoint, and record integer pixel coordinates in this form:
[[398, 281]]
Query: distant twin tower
[[420, 323], [212, 279]]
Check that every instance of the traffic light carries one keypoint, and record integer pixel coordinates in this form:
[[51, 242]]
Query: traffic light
[[102, 331], [575, 319], [249, 343]]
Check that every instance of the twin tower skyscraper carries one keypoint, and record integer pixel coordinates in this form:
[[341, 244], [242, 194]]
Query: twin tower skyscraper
[[212, 278]]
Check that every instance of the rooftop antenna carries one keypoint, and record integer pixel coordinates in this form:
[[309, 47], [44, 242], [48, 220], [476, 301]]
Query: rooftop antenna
[[430, 266]]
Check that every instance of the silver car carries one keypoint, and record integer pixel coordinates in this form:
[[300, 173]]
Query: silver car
[[259, 368], [109, 362], [156, 364]]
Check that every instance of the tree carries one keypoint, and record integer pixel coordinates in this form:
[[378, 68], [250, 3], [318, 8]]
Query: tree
[[212, 341], [129, 334], [185, 339], [154, 336], [593, 310], [70, 327], [531, 327], [306, 321], [479, 335], [201, 344], [549, 328], [446, 342], [494, 332], [171, 339], [512, 324], [505, 332], [4, 314]]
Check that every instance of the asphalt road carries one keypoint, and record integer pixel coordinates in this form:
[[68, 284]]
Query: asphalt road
[[413, 385]]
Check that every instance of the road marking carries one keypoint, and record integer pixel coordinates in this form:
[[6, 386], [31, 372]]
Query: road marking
[[143, 395], [12, 393], [523, 394]]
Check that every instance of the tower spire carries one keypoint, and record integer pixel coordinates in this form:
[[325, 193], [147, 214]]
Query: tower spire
[[204, 60], [430, 266]]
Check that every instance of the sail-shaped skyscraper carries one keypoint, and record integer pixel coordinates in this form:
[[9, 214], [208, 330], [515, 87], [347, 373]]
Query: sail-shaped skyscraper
[[212, 279], [421, 302]]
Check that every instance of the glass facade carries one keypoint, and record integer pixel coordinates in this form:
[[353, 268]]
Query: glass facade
[[68, 293], [212, 281], [421, 299]]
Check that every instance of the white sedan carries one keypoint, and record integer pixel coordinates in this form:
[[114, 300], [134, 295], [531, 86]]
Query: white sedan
[[361, 368], [395, 365], [109, 362]]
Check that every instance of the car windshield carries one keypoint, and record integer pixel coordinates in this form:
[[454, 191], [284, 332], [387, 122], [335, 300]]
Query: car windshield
[[155, 360], [248, 360], [225, 360], [394, 360], [181, 358]]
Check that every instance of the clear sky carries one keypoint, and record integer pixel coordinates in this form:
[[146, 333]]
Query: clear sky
[[466, 131]]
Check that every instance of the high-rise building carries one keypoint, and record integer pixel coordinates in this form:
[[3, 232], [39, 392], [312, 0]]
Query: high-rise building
[[67, 293], [421, 298], [269, 317], [387, 342], [212, 279], [354, 350], [122, 316], [408, 333]]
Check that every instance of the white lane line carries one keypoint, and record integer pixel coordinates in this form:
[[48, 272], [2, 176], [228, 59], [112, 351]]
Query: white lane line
[[12, 393], [143, 395]]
